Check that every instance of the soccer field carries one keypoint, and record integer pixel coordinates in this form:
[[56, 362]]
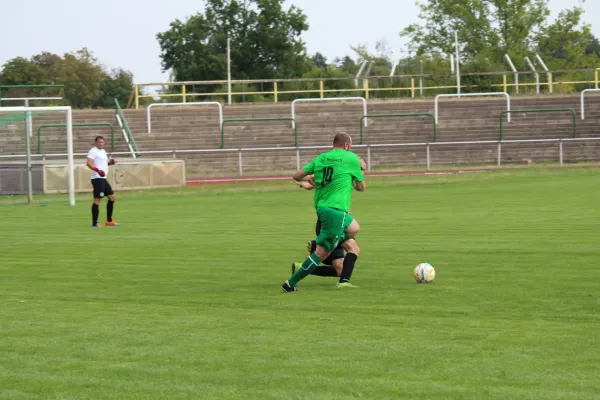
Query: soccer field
[[183, 301]]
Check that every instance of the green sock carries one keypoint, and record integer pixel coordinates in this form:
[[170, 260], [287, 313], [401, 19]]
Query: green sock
[[308, 266]]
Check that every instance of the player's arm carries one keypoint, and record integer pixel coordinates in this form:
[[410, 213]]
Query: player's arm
[[359, 179], [301, 174], [90, 165], [359, 186], [307, 183]]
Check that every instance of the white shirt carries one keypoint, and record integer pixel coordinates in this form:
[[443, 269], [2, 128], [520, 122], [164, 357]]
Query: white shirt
[[100, 161]]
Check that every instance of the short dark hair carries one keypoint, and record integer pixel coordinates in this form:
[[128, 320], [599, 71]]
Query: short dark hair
[[98, 138], [341, 139]]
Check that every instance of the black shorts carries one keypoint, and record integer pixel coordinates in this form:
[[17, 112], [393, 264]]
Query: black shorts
[[101, 188], [336, 254]]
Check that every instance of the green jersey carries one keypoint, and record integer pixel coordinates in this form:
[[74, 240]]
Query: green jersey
[[334, 172]]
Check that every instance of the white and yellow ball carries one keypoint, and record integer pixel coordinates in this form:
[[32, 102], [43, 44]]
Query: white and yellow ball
[[424, 273]]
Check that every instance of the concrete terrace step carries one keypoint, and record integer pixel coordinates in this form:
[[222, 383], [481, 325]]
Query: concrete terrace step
[[472, 118]]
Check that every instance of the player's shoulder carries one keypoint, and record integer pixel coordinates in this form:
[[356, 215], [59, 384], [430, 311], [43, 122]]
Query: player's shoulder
[[93, 151], [351, 157], [323, 156]]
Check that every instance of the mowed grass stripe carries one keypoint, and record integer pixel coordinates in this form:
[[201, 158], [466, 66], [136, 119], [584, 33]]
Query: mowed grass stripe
[[182, 301]]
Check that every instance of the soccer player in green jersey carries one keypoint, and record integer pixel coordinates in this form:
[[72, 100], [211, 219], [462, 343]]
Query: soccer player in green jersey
[[335, 174], [332, 266]]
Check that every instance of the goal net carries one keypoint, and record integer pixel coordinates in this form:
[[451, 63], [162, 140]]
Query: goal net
[[20, 172]]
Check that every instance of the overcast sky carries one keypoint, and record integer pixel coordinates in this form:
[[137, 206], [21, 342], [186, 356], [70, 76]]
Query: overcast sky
[[122, 33]]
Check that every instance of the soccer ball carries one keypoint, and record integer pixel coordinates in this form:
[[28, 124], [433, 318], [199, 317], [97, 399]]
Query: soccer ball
[[424, 273]]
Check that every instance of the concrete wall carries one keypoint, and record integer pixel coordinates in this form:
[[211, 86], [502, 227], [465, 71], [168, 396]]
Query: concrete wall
[[466, 119]]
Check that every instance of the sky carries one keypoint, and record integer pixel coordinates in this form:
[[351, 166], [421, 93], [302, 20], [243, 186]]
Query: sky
[[122, 33]]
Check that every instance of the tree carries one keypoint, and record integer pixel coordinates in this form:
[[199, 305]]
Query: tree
[[566, 40], [593, 46], [486, 28], [347, 65], [265, 42], [564, 44], [87, 84], [116, 85], [319, 61], [20, 71], [82, 76]]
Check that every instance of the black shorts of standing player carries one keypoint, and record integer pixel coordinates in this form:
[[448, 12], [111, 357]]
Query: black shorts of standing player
[[101, 188], [336, 254]]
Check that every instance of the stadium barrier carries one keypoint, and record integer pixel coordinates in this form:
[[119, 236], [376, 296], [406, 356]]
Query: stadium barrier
[[459, 95], [537, 111], [361, 99], [294, 126], [582, 101], [198, 103], [91, 125], [50, 176], [370, 149], [398, 115]]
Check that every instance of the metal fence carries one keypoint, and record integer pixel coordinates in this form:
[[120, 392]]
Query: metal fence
[[427, 155], [276, 90]]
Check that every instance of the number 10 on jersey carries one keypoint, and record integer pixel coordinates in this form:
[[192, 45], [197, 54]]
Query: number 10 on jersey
[[327, 176]]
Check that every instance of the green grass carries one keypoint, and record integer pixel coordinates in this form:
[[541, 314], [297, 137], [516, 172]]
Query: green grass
[[183, 300]]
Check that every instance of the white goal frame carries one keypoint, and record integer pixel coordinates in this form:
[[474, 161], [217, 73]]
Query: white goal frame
[[70, 162]]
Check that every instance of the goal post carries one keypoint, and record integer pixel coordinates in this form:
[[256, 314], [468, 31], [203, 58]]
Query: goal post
[[13, 116]]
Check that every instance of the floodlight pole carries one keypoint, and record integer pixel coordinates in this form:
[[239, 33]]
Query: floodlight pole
[[512, 66], [548, 74], [421, 79], [394, 66], [228, 71], [367, 74], [457, 63], [360, 70], [537, 76]]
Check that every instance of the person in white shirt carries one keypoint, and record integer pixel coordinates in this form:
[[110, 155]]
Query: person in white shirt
[[98, 162]]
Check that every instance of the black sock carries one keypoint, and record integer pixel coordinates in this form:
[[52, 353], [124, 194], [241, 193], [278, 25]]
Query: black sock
[[324, 271], [109, 210], [349, 261], [95, 213]]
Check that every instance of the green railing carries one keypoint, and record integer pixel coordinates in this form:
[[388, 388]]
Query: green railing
[[540, 110], [39, 131], [61, 87], [258, 120], [126, 128], [397, 115]]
